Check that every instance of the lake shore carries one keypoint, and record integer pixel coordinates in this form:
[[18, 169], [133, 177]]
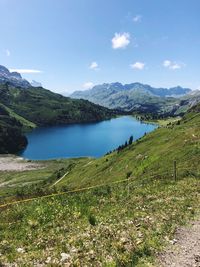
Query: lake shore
[[14, 163], [83, 140]]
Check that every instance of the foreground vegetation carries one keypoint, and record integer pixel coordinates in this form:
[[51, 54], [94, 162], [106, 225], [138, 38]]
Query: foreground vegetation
[[123, 224], [102, 227]]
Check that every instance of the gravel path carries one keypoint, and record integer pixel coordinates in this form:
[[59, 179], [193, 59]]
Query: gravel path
[[61, 178], [185, 252], [13, 163]]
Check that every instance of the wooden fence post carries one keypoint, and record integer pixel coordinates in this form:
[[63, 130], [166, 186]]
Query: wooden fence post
[[175, 171], [128, 176], [128, 187]]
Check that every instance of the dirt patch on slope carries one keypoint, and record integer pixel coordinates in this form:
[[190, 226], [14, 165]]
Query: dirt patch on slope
[[13, 163], [185, 251]]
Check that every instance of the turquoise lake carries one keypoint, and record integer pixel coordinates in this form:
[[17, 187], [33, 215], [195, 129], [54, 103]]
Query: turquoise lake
[[80, 140]]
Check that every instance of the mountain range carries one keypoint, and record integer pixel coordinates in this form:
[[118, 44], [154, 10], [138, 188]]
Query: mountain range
[[137, 97], [110, 89], [134, 97]]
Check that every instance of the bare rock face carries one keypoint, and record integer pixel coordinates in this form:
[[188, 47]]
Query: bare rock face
[[36, 84], [12, 78]]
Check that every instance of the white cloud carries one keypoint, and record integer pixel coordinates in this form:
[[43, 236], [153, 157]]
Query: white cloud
[[137, 18], [172, 65], [175, 66], [88, 85], [8, 52], [138, 65], [167, 63], [94, 66], [120, 40], [25, 71]]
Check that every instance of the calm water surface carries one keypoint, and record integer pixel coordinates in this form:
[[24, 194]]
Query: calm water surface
[[79, 140]]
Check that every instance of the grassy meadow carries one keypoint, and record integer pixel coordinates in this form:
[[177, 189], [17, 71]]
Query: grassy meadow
[[122, 224]]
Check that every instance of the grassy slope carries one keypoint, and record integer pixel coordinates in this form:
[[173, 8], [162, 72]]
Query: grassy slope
[[44, 107], [166, 121], [154, 153], [27, 125], [12, 182], [108, 226], [11, 132]]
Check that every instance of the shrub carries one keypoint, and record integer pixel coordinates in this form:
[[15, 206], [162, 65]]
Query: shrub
[[92, 220], [128, 174]]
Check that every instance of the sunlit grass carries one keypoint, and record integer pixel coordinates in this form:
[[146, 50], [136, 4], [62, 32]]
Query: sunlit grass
[[124, 224]]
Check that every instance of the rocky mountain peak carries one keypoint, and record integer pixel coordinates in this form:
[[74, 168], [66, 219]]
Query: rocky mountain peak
[[12, 78]]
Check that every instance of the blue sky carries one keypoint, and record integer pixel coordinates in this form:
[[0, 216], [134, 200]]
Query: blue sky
[[71, 45]]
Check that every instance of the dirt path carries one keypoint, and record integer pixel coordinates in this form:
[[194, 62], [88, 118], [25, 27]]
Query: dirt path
[[88, 164], [61, 178], [185, 252], [13, 163]]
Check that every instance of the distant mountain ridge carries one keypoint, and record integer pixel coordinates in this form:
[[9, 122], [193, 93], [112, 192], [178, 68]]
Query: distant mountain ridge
[[113, 88], [134, 97], [12, 78]]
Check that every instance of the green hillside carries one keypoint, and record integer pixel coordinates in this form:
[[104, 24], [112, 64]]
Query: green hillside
[[118, 224], [43, 107], [27, 125], [12, 138]]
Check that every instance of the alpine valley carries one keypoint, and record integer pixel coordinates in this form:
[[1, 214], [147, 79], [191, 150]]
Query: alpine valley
[[23, 107], [99, 133], [121, 209]]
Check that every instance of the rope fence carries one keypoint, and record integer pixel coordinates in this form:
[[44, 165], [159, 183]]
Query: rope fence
[[130, 180]]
